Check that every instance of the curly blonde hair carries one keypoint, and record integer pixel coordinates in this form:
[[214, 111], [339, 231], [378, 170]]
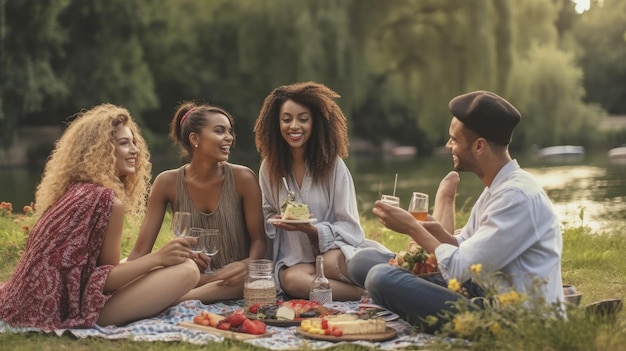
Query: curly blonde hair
[[329, 136], [86, 153]]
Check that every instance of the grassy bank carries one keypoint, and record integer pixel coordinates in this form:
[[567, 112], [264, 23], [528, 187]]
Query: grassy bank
[[594, 263]]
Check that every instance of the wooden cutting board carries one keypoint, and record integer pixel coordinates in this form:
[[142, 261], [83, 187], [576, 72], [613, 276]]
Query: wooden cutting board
[[389, 333], [225, 333]]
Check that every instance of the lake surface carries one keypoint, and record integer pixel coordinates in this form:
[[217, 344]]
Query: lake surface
[[589, 191]]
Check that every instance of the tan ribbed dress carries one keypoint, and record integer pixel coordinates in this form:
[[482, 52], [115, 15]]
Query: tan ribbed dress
[[234, 242]]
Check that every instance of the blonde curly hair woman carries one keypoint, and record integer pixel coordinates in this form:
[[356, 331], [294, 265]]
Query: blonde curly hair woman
[[69, 275]]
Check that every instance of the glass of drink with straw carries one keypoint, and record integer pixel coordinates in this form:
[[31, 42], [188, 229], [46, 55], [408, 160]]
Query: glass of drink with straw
[[392, 200]]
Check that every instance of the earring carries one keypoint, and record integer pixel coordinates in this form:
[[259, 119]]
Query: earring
[[196, 145]]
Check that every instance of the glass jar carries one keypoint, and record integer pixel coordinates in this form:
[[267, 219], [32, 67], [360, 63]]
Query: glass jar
[[259, 286]]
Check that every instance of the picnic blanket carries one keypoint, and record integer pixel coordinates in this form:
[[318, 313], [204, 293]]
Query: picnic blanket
[[164, 327]]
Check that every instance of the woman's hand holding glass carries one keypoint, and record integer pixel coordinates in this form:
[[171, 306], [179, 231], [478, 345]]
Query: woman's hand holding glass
[[205, 244], [175, 251]]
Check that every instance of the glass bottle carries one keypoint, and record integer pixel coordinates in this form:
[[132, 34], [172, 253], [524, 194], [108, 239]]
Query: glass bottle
[[259, 286], [320, 288]]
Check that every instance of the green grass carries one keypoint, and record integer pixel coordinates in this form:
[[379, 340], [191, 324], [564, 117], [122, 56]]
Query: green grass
[[593, 262]]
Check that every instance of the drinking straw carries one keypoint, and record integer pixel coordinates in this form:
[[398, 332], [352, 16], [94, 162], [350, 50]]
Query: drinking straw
[[394, 185]]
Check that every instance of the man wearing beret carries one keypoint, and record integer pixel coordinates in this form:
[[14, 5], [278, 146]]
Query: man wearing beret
[[512, 228]]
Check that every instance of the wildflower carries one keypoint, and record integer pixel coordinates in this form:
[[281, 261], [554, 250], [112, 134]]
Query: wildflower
[[464, 323], [476, 268], [431, 320], [6, 208], [495, 328], [27, 209], [454, 284], [25, 228], [510, 298]]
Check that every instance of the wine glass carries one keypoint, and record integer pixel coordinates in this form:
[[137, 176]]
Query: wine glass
[[180, 223], [206, 243], [418, 206]]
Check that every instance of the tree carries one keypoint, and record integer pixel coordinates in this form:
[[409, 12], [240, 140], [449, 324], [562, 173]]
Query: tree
[[601, 32], [547, 88], [31, 36], [105, 59]]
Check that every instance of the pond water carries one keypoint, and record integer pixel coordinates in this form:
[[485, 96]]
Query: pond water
[[589, 191]]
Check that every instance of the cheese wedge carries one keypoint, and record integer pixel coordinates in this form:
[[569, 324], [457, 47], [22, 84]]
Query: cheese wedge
[[351, 325]]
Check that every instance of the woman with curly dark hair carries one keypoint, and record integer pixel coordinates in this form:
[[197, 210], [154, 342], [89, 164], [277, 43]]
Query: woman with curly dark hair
[[302, 135]]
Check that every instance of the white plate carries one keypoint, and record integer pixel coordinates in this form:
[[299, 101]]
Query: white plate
[[291, 221]]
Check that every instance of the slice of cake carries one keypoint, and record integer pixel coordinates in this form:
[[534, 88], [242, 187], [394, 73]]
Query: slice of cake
[[296, 211]]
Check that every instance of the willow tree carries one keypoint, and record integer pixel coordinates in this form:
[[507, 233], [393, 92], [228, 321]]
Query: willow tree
[[547, 87], [429, 51], [546, 83]]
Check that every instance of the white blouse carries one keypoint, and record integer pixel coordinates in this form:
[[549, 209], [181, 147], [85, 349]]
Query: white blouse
[[334, 206]]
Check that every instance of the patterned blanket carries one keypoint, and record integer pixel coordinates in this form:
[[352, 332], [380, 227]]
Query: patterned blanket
[[164, 327]]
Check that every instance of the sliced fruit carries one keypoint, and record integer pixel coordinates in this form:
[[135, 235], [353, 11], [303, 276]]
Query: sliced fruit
[[285, 312]]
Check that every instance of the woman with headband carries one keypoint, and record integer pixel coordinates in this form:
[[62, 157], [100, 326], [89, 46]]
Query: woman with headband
[[218, 195]]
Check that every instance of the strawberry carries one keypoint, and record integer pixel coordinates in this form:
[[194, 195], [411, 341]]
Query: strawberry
[[253, 327], [254, 308], [223, 325], [337, 332], [236, 319]]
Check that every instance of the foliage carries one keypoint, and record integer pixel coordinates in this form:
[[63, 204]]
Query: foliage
[[31, 37], [601, 34], [395, 63], [547, 86]]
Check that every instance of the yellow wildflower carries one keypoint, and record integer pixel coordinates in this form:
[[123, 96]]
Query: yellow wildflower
[[431, 320], [476, 268], [454, 285], [510, 298], [464, 323], [495, 328]]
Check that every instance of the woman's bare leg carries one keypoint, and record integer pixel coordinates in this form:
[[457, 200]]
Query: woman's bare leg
[[335, 268], [296, 280], [147, 296]]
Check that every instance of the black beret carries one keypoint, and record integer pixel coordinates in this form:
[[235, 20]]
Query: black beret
[[486, 113]]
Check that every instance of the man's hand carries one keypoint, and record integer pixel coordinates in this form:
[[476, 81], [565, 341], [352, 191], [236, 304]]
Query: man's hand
[[394, 218]]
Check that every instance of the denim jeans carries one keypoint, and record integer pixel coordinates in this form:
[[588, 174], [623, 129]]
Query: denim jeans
[[412, 298]]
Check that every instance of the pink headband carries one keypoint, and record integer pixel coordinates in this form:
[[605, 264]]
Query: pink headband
[[182, 120]]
